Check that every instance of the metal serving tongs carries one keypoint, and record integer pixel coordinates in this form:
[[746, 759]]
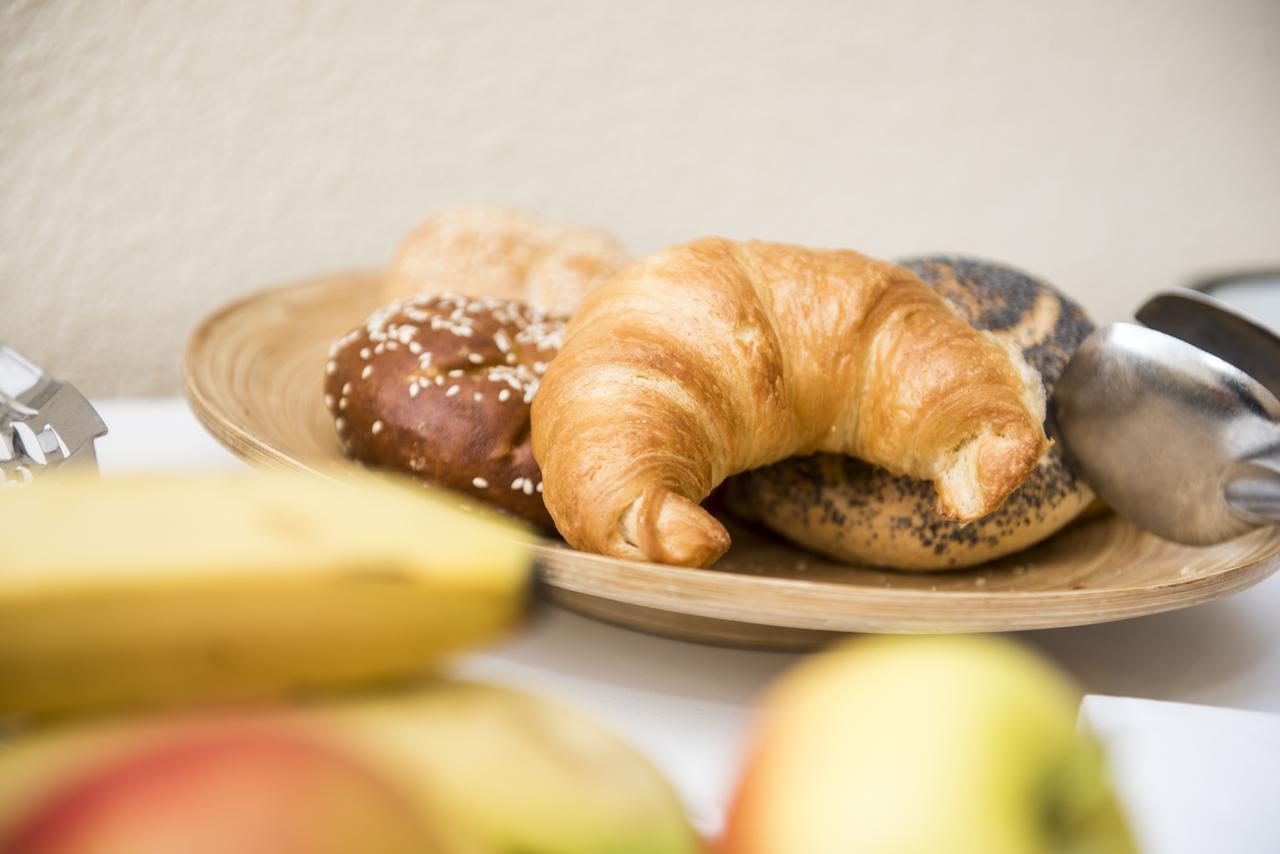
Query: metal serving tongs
[[1176, 423], [44, 424]]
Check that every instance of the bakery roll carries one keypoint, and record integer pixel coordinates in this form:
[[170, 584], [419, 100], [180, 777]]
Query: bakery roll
[[499, 252], [856, 512], [439, 386], [715, 357]]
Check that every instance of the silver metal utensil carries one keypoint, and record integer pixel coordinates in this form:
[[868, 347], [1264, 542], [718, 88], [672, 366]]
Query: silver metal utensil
[[44, 424], [1216, 328], [1178, 440]]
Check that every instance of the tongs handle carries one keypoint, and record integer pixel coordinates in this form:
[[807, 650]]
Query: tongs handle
[[1252, 489], [1217, 328]]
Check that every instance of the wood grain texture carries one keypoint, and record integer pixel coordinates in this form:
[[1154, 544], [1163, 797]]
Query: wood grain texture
[[254, 372]]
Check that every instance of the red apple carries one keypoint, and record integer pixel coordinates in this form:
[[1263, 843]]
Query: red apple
[[242, 789]]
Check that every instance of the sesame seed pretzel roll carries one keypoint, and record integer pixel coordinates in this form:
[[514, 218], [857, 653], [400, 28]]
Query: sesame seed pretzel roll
[[714, 357], [438, 386]]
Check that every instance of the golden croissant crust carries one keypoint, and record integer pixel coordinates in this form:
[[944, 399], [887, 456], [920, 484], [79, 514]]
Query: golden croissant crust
[[856, 513], [715, 357]]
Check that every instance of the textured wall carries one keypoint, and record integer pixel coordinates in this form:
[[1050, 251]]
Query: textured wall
[[158, 158]]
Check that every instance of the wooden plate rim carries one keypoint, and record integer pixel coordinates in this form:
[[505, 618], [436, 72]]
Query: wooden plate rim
[[711, 594]]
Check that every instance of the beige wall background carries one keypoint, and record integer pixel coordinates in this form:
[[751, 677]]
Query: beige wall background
[[160, 158]]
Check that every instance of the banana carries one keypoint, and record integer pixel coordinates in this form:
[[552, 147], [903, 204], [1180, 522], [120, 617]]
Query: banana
[[489, 770], [157, 589]]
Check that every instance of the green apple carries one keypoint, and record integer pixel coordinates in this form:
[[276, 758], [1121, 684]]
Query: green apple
[[925, 745]]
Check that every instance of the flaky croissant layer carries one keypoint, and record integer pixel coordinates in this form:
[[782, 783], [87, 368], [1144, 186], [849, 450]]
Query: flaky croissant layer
[[715, 357]]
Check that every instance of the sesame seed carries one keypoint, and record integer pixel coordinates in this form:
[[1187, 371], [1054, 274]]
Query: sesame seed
[[517, 483], [342, 403], [528, 487], [341, 424], [346, 389], [477, 397], [413, 390], [475, 358], [328, 401], [331, 367], [453, 389], [457, 372], [504, 395], [479, 483], [539, 487], [367, 372], [376, 428], [511, 358], [364, 353], [415, 348]]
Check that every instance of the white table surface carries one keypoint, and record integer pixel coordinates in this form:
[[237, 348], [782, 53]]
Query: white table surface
[[687, 706]]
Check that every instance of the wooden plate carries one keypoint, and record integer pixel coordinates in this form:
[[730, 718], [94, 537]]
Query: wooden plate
[[254, 374]]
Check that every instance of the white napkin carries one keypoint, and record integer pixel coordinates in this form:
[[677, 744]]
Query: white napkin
[[1194, 779]]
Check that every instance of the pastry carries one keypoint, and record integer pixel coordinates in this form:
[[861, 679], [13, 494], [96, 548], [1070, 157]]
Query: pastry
[[714, 357], [858, 513], [499, 252], [439, 386]]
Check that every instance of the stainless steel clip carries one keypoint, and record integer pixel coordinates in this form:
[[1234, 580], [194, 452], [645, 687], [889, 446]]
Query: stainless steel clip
[[44, 424]]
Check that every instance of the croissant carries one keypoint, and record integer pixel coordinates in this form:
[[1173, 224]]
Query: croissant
[[715, 357]]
